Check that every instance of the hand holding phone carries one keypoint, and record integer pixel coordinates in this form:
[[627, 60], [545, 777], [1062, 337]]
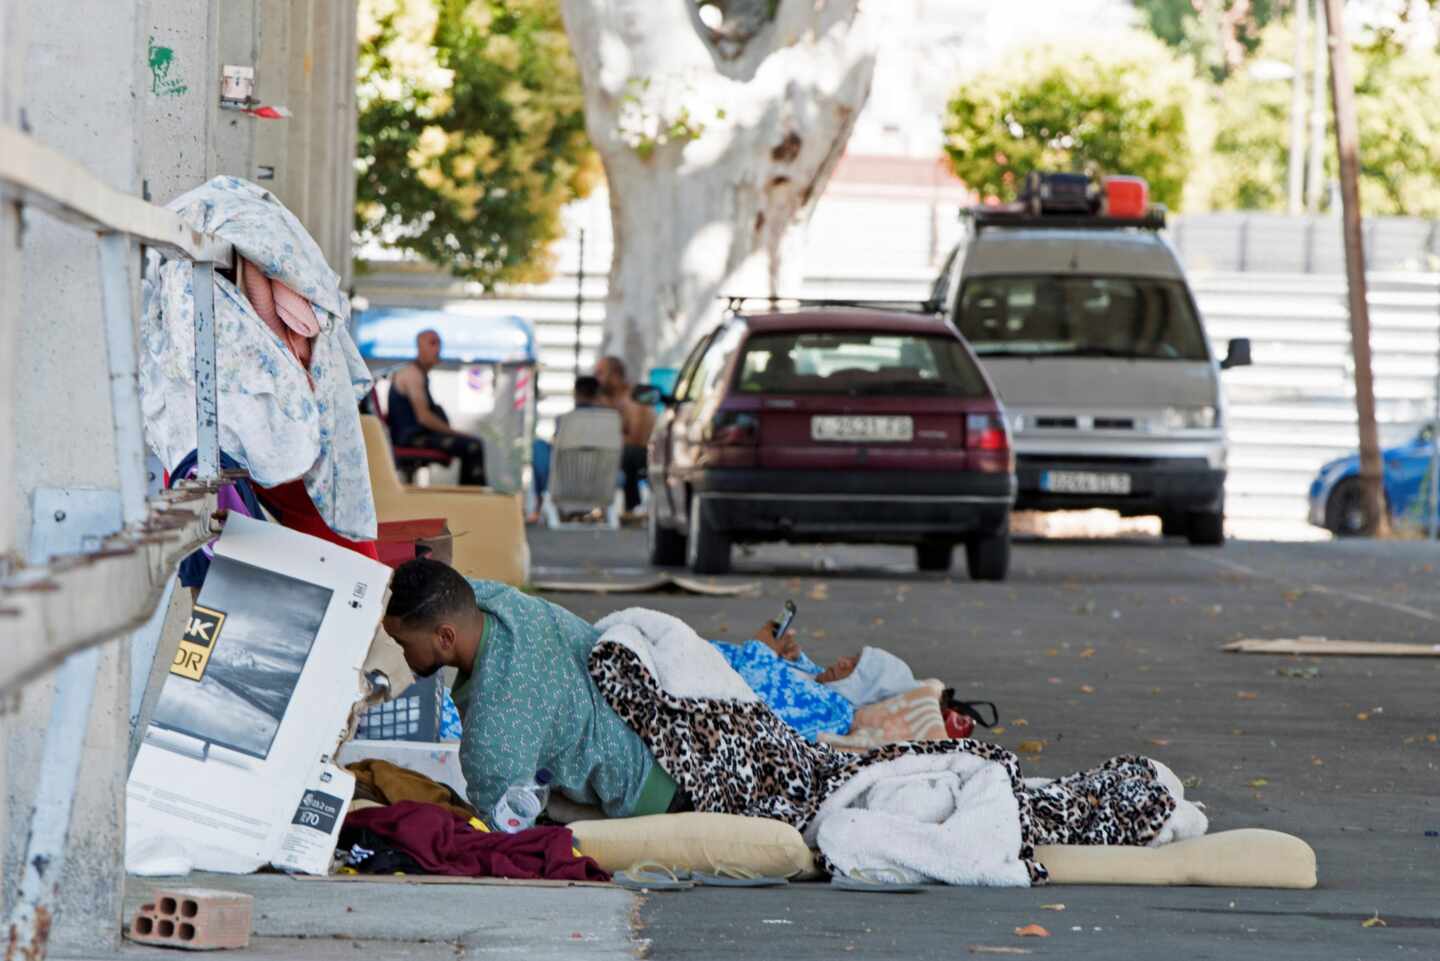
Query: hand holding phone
[[784, 621]]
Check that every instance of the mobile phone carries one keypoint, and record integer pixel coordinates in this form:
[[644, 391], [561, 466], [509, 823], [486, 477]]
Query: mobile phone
[[786, 618]]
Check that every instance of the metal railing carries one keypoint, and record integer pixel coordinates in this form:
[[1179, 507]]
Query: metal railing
[[56, 609]]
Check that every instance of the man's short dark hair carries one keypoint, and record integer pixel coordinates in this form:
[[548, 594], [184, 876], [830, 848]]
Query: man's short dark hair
[[587, 388], [425, 592]]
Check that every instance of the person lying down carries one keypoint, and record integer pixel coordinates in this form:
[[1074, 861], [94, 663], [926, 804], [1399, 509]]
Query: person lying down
[[637, 714], [811, 699]]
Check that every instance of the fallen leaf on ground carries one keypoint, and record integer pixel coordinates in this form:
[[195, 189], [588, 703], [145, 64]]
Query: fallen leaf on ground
[[997, 730], [1362, 716], [1088, 652], [1021, 722], [1035, 931], [997, 949], [1432, 738], [1316, 761], [1371, 922], [819, 633], [1246, 695], [1159, 742], [1052, 907], [1086, 689], [878, 622], [1053, 652], [1259, 782], [1053, 680], [1236, 730], [1191, 781], [1031, 747], [820, 592]]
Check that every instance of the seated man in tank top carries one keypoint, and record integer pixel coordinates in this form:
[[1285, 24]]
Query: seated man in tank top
[[415, 419]]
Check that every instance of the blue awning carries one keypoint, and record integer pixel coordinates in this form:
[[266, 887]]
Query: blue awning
[[388, 333]]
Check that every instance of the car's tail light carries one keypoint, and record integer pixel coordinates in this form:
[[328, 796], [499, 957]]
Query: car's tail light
[[733, 428], [731, 440], [988, 441]]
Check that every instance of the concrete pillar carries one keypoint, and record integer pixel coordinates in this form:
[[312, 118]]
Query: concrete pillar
[[85, 69], [180, 99], [12, 58]]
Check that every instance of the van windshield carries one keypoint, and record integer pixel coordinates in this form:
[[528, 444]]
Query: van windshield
[[858, 363], [1069, 316]]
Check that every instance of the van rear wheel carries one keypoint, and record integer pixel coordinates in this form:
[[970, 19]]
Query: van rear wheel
[[988, 557], [706, 549], [1207, 529], [934, 555]]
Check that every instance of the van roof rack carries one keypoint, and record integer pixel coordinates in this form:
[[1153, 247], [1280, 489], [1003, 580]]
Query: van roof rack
[[982, 217], [735, 303]]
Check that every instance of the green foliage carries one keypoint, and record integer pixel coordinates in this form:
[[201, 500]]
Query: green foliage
[[471, 133], [1399, 119], [1120, 110], [1216, 34]]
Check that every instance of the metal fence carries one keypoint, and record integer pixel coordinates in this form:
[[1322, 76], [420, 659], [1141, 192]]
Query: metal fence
[[1289, 414]]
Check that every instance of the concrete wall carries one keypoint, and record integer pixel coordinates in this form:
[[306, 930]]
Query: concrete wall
[[130, 88], [80, 80]]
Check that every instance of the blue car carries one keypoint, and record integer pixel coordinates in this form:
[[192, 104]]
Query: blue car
[[1336, 503]]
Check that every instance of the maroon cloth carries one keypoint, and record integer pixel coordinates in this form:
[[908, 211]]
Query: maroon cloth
[[444, 843]]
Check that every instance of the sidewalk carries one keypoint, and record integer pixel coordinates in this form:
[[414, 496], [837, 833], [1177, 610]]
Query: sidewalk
[[331, 921]]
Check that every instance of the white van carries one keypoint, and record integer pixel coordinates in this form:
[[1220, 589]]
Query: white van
[[1086, 326]]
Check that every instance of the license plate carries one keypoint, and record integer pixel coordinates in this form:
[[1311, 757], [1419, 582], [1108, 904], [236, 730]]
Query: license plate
[[862, 429], [1084, 482]]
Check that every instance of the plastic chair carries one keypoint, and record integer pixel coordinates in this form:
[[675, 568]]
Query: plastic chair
[[584, 463]]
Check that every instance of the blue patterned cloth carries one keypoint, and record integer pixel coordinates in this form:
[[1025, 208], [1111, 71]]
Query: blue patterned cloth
[[450, 726], [789, 688], [270, 418]]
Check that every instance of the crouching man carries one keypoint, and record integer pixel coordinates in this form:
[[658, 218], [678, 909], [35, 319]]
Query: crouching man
[[525, 696]]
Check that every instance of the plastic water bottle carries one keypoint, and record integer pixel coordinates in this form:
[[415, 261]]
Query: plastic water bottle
[[521, 804]]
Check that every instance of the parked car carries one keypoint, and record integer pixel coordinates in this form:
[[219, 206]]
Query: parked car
[[831, 424], [1080, 313], [1337, 503]]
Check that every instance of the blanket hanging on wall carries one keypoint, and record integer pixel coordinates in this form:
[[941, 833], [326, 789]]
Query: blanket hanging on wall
[[952, 811]]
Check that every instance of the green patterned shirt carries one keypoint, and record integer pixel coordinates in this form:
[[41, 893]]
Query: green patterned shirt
[[530, 703]]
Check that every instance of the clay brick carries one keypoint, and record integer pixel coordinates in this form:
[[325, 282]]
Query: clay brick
[[196, 919]]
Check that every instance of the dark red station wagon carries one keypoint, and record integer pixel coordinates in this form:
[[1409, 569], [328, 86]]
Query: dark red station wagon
[[832, 424]]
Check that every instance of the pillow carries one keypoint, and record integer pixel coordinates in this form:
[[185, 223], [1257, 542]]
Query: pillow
[[913, 716], [1247, 858], [696, 842]]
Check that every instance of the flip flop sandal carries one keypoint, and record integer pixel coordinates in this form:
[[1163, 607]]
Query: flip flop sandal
[[874, 880], [652, 876], [735, 876]]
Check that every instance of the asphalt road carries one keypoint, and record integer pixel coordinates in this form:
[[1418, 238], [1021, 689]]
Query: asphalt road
[[1108, 647]]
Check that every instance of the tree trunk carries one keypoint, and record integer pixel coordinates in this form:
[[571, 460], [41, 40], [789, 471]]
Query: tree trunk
[[1347, 138], [773, 103]]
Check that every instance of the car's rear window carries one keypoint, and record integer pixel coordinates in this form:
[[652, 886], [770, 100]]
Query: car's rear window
[[858, 363]]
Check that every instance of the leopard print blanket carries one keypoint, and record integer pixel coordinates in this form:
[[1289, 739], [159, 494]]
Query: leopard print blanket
[[736, 757]]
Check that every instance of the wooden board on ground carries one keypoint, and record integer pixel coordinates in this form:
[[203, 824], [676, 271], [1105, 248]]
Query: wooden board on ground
[[1319, 646], [646, 585], [448, 879]]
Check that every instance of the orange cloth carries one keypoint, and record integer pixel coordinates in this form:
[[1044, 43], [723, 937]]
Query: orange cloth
[[386, 783], [285, 312]]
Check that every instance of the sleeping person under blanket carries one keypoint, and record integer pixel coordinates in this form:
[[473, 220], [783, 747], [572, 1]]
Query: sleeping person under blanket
[[638, 715], [811, 699]]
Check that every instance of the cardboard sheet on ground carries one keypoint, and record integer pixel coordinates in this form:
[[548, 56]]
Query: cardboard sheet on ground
[[643, 584], [1319, 646], [235, 771]]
